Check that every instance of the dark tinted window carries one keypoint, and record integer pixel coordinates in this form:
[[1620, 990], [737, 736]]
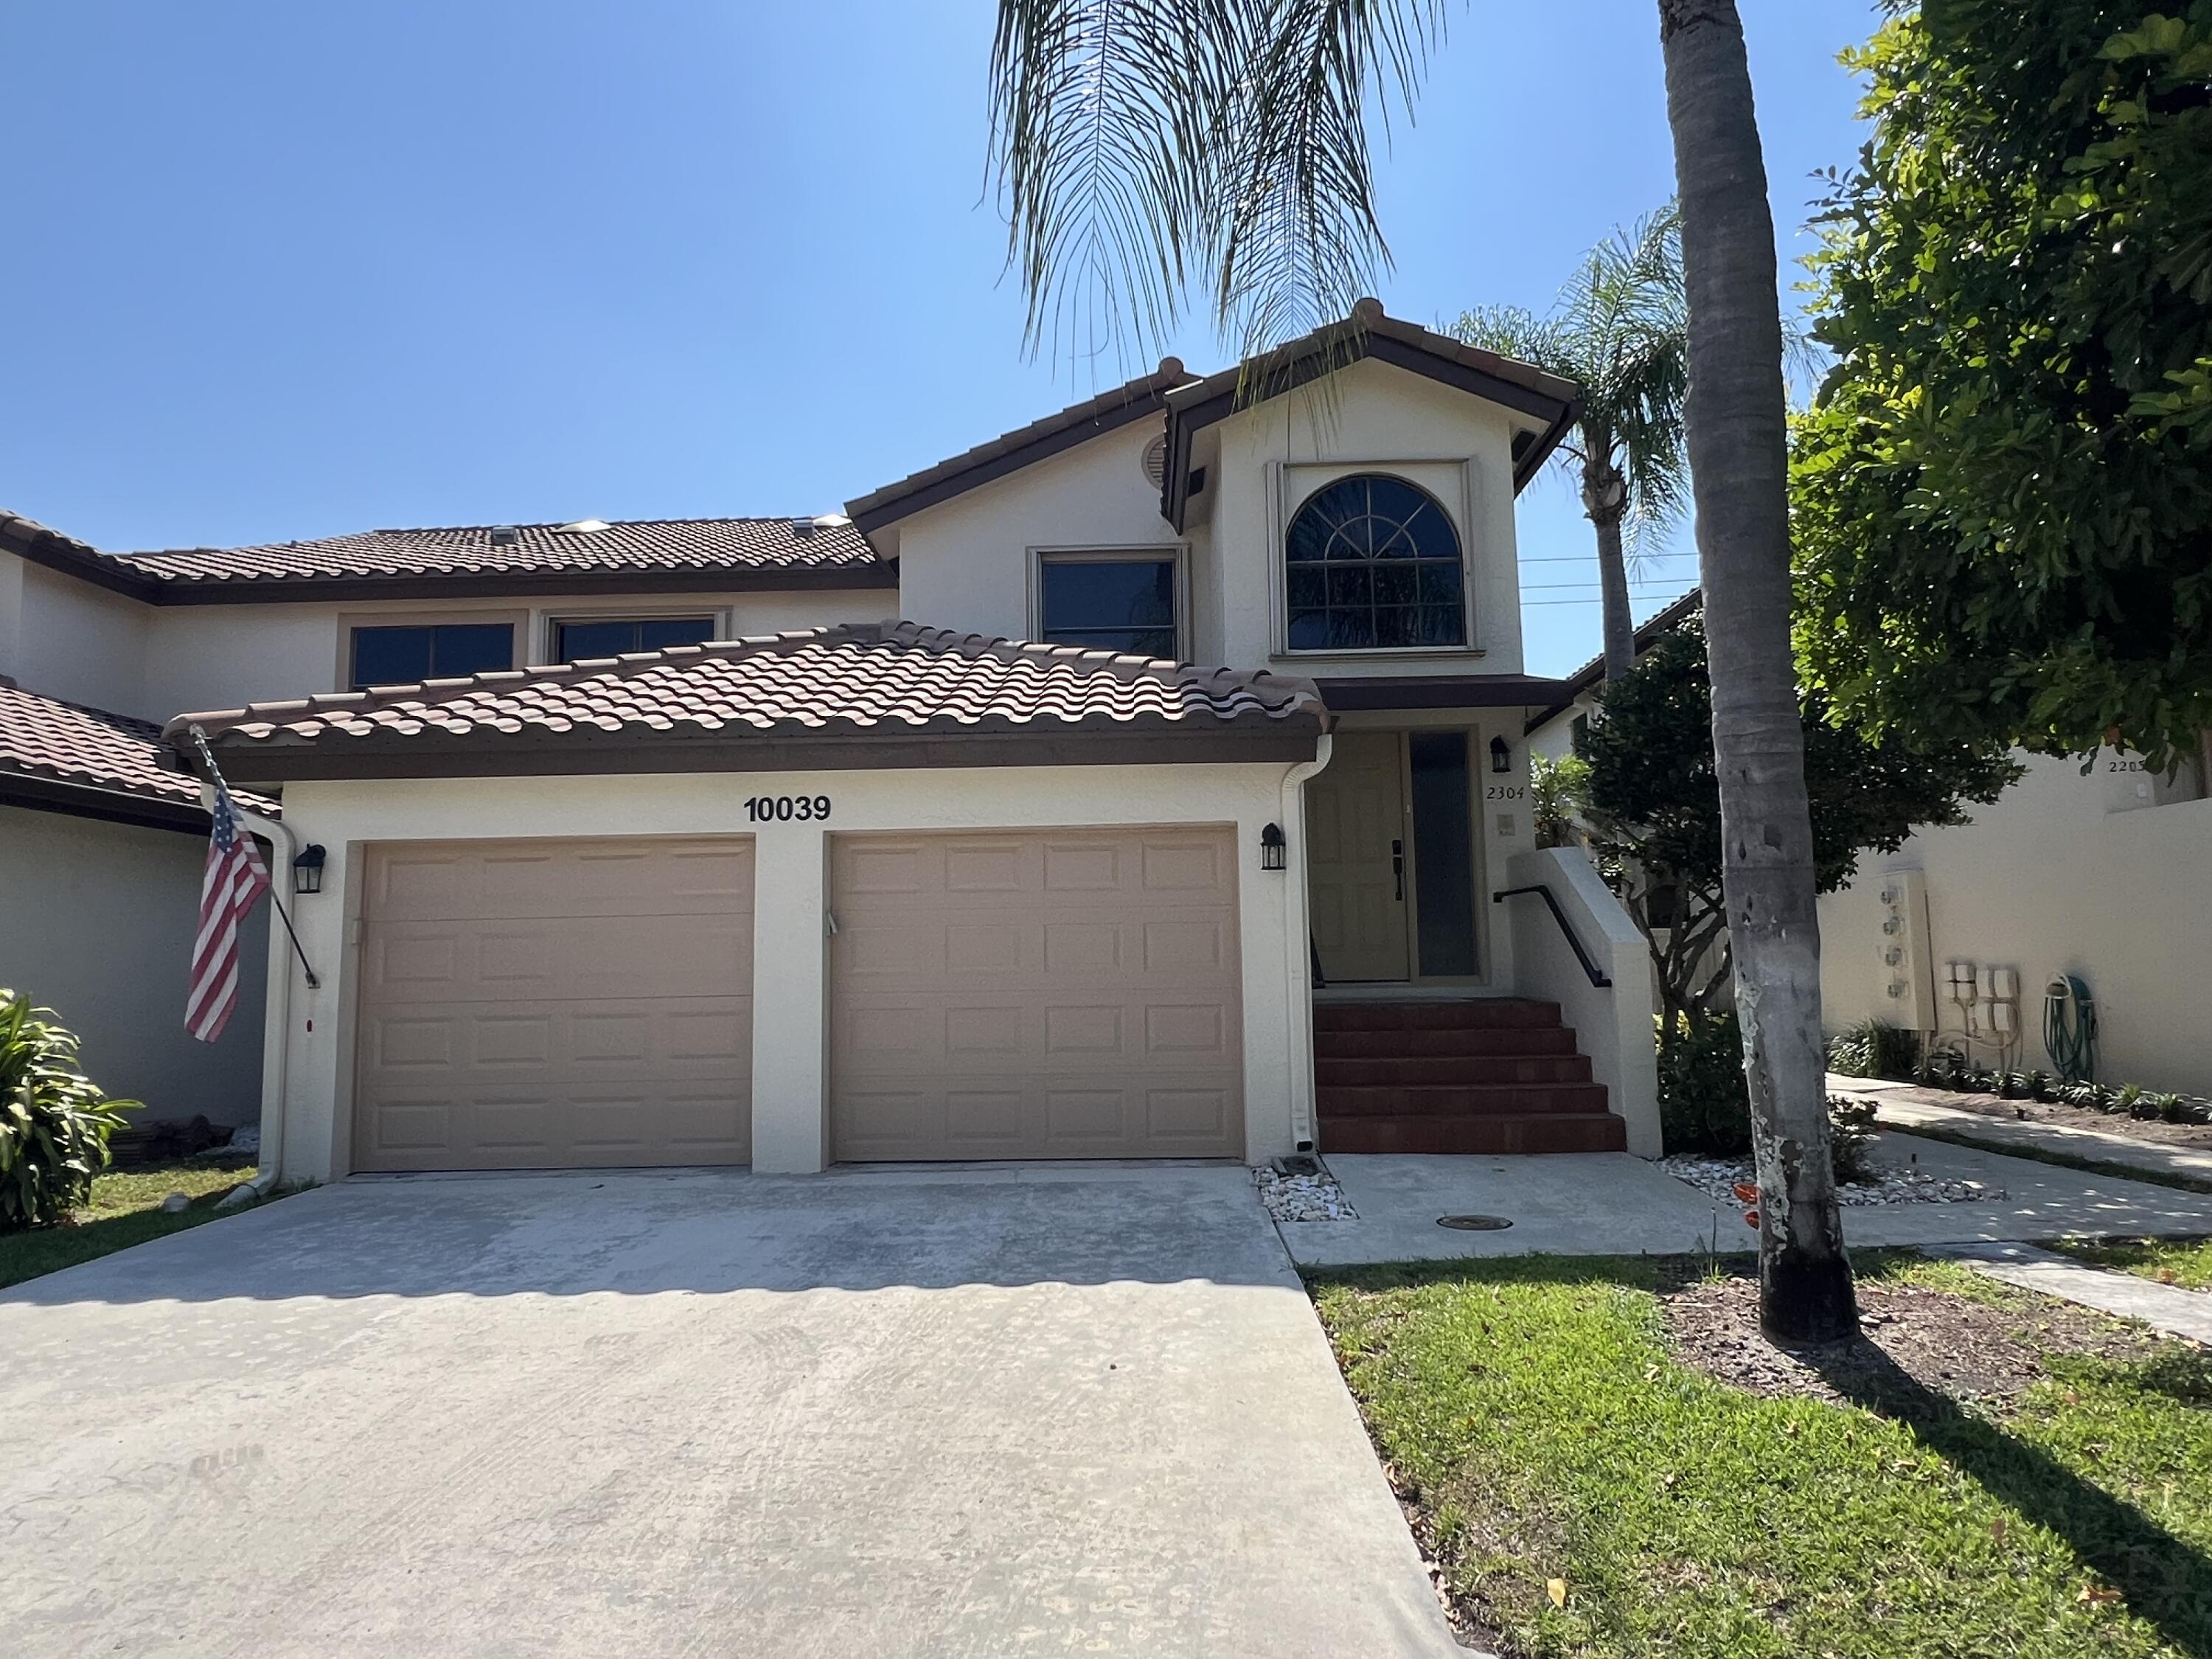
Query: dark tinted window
[[1443, 850], [1110, 604], [574, 641], [1372, 562], [401, 656]]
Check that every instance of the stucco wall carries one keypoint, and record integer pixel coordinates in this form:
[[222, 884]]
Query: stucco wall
[[205, 657], [78, 642], [966, 563], [96, 922], [1371, 415], [790, 991], [2064, 873]]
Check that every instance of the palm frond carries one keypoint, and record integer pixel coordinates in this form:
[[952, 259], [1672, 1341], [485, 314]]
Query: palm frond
[[1146, 147]]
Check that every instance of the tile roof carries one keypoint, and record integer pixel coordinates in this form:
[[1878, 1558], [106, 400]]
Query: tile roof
[[783, 545], [858, 680], [1647, 633], [90, 749]]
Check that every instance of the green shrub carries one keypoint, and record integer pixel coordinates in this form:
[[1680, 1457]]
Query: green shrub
[[1705, 1105], [1850, 1137], [54, 1123], [1874, 1047]]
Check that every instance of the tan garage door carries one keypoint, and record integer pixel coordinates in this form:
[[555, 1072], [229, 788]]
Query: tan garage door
[[1036, 994], [543, 1004]]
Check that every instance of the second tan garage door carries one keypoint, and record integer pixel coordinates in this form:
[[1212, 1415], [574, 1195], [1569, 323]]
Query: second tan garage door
[[1065, 993], [550, 1004]]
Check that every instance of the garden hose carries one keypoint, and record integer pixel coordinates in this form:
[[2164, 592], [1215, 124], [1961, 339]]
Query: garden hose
[[2070, 1027]]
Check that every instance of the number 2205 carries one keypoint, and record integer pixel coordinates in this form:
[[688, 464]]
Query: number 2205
[[782, 809]]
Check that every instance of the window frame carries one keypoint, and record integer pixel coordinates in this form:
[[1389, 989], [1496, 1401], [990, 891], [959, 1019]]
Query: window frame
[[716, 618], [351, 623], [1175, 554], [1293, 484]]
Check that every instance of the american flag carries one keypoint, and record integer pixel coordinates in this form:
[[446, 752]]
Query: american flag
[[235, 877]]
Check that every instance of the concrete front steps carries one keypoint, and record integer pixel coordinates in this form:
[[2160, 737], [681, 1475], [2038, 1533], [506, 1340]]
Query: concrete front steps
[[1496, 1075]]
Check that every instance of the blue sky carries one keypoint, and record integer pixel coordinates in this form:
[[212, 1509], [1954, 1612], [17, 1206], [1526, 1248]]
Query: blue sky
[[278, 270]]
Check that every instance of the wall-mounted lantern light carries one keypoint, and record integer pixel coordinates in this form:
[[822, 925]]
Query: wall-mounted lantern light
[[307, 871], [1501, 755], [1273, 852]]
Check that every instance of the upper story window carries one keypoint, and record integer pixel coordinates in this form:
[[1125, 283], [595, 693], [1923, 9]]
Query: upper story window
[[574, 641], [1372, 563], [403, 654], [1109, 601]]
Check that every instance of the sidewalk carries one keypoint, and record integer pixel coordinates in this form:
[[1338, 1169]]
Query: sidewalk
[[2166, 1308], [1906, 1106]]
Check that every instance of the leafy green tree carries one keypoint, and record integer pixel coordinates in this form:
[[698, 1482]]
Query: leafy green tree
[[1150, 146], [2005, 489], [1652, 812], [1621, 331]]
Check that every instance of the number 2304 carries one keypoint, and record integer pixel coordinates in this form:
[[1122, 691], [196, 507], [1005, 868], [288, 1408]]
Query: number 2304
[[782, 809]]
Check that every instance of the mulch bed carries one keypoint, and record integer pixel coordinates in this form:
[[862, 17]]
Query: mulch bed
[[1915, 1339]]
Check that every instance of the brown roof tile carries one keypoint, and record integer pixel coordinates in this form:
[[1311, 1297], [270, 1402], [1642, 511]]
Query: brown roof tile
[[638, 544], [861, 680], [67, 742]]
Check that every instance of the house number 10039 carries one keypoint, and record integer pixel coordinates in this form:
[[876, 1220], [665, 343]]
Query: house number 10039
[[782, 809]]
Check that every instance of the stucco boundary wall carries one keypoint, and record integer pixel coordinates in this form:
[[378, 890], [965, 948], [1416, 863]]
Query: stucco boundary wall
[[792, 902], [1613, 1024], [2053, 880]]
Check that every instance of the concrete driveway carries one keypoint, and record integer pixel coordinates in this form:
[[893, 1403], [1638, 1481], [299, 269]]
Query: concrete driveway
[[942, 1413]]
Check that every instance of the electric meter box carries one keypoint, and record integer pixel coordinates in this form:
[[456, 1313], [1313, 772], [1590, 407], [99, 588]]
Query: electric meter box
[[1908, 976]]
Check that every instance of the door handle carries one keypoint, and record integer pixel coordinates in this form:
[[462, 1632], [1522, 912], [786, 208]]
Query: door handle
[[1398, 868]]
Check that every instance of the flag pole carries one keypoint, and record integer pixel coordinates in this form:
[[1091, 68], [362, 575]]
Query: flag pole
[[214, 775]]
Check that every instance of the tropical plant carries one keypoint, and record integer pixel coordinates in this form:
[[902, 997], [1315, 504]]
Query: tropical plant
[[1704, 1104], [1874, 1047], [54, 1121], [1146, 147], [1652, 812], [1621, 331], [1851, 1134], [2003, 486], [1557, 790]]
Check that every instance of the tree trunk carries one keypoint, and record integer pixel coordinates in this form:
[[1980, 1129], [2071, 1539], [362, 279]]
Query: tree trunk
[[1605, 492], [1739, 452]]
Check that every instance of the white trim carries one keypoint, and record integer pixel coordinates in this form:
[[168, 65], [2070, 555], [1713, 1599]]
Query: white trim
[[1463, 519]]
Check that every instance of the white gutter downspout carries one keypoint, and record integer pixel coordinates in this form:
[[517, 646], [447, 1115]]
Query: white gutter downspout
[[276, 1057], [1297, 959]]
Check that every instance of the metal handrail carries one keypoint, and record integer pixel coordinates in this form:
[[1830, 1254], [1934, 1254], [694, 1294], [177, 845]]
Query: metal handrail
[[1551, 904]]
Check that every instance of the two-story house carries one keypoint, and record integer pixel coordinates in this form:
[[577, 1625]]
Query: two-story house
[[1187, 817]]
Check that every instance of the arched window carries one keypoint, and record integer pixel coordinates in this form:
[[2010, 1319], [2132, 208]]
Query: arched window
[[1372, 562]]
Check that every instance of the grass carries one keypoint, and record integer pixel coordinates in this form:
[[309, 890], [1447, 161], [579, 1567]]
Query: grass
[[125, 1210], [1533, 1406], [2183, 1261]]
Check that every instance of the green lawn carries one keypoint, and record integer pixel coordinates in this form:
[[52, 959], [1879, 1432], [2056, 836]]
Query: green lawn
[[125, 1210], [2183, 1261], [1533, 1409]]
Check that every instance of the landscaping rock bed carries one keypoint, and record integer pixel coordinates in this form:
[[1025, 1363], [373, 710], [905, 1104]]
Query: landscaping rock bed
[[1303, 1198], [1719, 1178]]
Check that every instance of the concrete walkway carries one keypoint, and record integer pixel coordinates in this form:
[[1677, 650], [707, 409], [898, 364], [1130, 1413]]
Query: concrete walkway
[[1612, 1204], [1903, 1106], [884, 1412], [2167, 1307]]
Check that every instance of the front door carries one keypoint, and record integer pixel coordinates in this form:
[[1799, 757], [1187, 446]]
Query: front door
[[1356, 836]]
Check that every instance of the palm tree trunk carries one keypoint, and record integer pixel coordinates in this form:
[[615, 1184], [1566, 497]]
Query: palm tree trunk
[[1613, 583], [1739, 452], [1605, 497]]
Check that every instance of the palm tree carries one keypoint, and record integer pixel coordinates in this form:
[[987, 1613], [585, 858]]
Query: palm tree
[[1620, 330], [1146, 146]]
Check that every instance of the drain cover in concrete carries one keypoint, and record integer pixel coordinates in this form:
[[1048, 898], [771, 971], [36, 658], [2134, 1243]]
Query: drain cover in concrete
[[1475, 1223]]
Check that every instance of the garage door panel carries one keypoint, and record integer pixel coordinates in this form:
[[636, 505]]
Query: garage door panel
[[553, 1028], [1050, 993], [554, 957]]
